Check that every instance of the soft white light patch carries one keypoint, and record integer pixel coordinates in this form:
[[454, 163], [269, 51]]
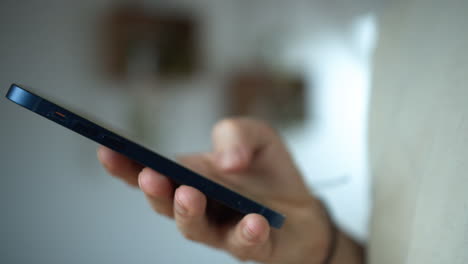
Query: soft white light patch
[[331, 149]]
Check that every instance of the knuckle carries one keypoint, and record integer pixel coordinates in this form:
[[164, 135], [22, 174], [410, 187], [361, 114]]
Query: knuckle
[[242, 251], [188, 229], [190, 235], [131, 182], [242, 255], [159, 209], [113, 169]]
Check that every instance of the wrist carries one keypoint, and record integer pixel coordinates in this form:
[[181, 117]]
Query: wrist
[[347, 251], [316, 236], [341, 248], [337, 247], [310, 237]]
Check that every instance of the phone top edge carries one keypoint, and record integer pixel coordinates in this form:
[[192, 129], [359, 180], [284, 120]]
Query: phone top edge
[[23, 97]]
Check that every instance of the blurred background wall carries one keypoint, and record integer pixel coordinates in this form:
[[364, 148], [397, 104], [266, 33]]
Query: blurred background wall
[[59, 206]]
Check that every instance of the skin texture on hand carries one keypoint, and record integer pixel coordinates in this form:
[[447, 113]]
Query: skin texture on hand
[[250, 158]]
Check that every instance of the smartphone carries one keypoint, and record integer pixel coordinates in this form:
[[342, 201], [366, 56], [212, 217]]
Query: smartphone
[[178, 173]]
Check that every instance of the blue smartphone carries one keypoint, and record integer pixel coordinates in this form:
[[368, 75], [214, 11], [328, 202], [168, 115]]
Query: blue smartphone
[[177, 173]]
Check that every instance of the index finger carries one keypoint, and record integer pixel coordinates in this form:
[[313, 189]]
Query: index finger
[[119, 165]]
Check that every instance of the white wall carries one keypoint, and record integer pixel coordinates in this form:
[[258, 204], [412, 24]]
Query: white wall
[[57, 203]]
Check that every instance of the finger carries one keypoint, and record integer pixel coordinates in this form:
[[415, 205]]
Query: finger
[[190, 217], [120, 166], [236, 141], [249, 239], [201, 163], [159, 191]]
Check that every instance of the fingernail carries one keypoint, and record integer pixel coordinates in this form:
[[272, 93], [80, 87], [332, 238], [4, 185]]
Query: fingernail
[[142, 180], [180, 209], [248, 233]]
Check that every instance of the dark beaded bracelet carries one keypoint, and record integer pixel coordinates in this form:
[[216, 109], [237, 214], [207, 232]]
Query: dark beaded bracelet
[[333, 236]]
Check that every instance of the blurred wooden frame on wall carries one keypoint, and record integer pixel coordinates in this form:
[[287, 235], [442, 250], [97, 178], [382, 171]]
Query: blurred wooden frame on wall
[[169, 43], [171, 37], [277, 98]]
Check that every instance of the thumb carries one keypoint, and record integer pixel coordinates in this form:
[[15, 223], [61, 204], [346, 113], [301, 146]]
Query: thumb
[[237, 140]]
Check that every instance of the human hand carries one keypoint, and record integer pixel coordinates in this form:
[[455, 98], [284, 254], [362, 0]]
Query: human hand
[[250, 158]]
